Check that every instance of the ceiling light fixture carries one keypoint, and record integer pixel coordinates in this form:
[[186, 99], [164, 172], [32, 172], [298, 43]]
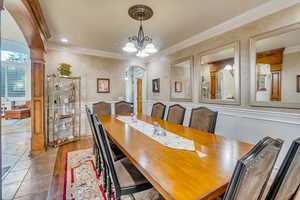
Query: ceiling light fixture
[[141, 44], [64, 40]]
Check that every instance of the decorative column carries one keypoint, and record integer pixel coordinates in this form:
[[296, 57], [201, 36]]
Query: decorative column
[[38, 137]]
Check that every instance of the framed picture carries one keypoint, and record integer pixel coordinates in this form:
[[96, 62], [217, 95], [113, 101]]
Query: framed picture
[[298, 83], [103, 85], [261, 82], [178, 86], [156, 85]]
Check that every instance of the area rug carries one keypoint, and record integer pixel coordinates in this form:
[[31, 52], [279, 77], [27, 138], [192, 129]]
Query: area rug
[[82, 182], [81, 178]]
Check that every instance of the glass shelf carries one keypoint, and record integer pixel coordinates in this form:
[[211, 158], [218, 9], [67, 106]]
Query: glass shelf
[[64, 108]]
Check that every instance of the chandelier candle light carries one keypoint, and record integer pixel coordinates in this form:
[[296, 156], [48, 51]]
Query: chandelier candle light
[[141, 45]]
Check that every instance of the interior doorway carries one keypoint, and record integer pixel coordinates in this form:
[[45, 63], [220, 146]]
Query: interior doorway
[[139, 96], [135, 77]]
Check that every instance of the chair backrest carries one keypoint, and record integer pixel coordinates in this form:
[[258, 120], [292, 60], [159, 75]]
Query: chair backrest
[[158, 110], [253, 171], [287, 181], [176, 114], [123, 107], [107, 154], [102, 108], [203, 119], [91, 123]]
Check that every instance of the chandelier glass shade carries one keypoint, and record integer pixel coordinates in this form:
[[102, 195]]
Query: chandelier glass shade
[[141, 45]]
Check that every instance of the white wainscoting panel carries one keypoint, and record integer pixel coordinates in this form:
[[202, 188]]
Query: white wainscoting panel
[[247, 125]]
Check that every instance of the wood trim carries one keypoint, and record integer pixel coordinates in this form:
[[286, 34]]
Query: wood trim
[[274, 56], [139, 96], [35, 7], [276, 86], [28, 15], [298, 83], [213, 85]]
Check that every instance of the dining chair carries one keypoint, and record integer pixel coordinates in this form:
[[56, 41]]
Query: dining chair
[[96, 142], [124, 178], [102, 108], [117, 153], [287, 181], [176, 114], [123, 107], [158, 110], [203, 119], [253, 171]]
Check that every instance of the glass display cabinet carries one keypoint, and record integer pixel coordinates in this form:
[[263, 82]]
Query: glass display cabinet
[[64, 109]]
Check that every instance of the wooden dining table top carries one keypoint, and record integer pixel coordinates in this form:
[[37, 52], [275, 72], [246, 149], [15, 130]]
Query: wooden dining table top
[[179, 174]]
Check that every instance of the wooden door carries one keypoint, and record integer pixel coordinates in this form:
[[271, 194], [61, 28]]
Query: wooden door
[[139, 95], [213, 85]]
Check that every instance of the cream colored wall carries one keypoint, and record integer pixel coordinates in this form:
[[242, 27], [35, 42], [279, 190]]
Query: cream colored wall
[[159, 68], [89, 68], [181, 74], [290, 69]]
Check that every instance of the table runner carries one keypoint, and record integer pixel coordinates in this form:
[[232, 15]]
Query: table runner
[[170, 140]]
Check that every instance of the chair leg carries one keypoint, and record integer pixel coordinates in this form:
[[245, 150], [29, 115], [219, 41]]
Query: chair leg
[[132, 196], [109, 189], [105, 179]]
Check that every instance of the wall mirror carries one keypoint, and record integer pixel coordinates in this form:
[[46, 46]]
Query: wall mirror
[[181, 79], [219, 75], [275, 68]]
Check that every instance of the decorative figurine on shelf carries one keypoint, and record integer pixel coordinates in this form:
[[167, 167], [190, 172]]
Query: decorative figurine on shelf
[[64, 69]]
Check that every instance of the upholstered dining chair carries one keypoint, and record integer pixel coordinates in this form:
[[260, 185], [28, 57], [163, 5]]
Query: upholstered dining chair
[[158, 110], [203, 119], [123, 177], [253, 171], [102, 108], [176, 114], [287, 181], [123, 107]]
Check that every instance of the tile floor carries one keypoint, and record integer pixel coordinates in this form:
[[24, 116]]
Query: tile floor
[[26, 178]]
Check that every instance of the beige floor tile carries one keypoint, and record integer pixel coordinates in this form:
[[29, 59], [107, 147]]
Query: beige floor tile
[[9, 190], [39, 185], [16, 176]]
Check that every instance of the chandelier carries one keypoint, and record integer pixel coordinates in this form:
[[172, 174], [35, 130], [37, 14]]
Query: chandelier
[[141, 45]]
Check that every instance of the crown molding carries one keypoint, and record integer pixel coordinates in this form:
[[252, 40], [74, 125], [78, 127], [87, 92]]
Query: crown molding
[[85, 51], [293, 49], [247, 17]]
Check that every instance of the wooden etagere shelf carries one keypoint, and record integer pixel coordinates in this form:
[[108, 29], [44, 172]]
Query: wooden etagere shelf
[[64, 109]]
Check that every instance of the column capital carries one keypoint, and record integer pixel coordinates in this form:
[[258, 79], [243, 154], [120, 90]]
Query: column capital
[[37, 56]]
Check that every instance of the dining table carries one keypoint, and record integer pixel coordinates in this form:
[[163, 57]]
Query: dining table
[[202, 172]]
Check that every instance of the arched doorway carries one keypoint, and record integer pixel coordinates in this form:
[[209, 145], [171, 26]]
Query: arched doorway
[[29, 17]]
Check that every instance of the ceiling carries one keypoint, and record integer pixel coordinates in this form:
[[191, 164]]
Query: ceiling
[[105, 25]]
